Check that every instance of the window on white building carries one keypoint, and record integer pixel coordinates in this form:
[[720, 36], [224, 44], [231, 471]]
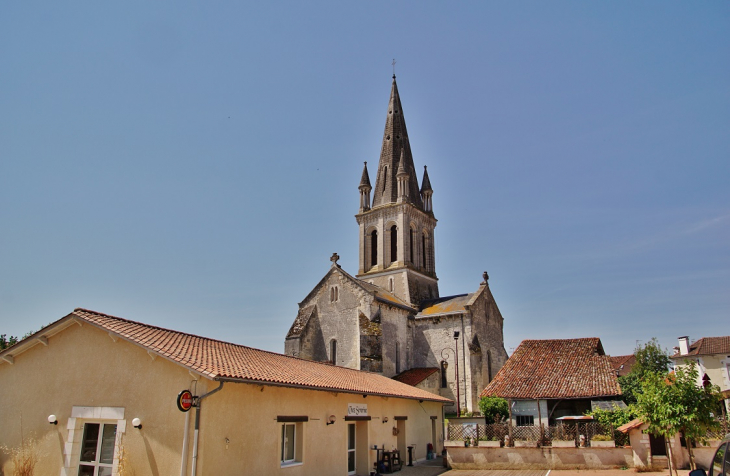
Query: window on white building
[[291, 443], [97, 449]]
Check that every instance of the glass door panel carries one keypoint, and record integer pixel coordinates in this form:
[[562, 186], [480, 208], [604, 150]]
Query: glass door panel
[[350, 448]]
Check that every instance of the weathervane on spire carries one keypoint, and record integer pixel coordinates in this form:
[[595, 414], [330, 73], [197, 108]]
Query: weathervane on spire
[[393, 63]]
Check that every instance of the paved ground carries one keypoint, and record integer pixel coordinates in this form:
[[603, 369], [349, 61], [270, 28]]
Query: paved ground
[[434, 468], [424, 468], [554, 472]]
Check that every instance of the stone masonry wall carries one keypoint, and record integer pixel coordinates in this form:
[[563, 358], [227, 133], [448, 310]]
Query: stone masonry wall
[[487, 326], [337, 320]]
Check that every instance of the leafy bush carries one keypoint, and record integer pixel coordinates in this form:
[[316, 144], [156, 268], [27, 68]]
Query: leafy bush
[[601, 438], [616, 417], [494, 408]]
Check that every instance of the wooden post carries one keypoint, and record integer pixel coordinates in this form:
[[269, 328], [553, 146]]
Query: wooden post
[[509, 428], [539, 419]]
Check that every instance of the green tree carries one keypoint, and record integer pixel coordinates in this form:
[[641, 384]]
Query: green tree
[[6, 341], [493, 407], [650, 359], [615, 418], [674, 404]]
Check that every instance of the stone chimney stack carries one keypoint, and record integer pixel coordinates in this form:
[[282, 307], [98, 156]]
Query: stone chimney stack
[[684, 345]]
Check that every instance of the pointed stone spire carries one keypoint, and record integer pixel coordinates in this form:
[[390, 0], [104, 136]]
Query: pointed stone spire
[[402, 177], [425, 183], [396, 150], [365, 180], [426, 191], [365, 189]]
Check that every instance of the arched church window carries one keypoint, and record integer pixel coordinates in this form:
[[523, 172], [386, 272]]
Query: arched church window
[[397, 357], [489, 366], [411, 245], [334, 294], [393, 243], [391, 285], [374, 248], [444, 366], [423, 250], [333, 351]]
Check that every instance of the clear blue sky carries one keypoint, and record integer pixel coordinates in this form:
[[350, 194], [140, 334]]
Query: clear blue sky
[[193, 165]]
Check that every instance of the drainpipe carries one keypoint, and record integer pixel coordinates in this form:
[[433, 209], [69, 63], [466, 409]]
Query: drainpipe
[[197, 425], [184, 462]]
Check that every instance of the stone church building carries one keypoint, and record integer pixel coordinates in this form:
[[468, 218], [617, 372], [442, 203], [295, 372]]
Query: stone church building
[[390, 318]]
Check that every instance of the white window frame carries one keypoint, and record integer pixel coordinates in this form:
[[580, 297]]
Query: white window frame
[[97, 464], [75, 432], [298, 445]]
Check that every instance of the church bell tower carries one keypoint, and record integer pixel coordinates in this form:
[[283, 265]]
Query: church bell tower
[[397, 230]]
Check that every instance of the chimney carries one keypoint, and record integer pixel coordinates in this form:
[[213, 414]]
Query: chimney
[[684, 345]]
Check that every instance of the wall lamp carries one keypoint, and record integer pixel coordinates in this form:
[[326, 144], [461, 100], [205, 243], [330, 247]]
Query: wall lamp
[[385, 419], [331, 420], [137, 423], [52, 420]]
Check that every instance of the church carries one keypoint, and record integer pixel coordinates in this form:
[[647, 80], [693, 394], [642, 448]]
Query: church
[[389, 318]]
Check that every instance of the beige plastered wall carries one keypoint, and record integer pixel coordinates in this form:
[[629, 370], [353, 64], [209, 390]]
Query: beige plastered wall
[[84, 375]]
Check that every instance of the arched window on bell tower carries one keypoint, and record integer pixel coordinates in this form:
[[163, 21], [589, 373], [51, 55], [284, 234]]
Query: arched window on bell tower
[[424, 255], [373, 248], [333, 351], [412, 245], [393, 244]]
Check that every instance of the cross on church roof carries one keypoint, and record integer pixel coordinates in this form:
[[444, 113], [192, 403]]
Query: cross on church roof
[[334, 258]]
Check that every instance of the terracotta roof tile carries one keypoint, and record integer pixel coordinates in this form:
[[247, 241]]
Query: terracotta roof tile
[[225, 361], [622, 363], [635, 423], [708, 346], [556, 368], [415, 376]]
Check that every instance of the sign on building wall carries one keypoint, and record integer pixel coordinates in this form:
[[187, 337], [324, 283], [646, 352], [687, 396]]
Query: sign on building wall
[[357, 409]]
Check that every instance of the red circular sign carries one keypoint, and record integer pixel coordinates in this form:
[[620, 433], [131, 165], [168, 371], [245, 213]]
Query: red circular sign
[[185, 400]]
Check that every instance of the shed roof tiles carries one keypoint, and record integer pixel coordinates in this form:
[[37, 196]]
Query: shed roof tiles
[[556, 368], [622, 363]]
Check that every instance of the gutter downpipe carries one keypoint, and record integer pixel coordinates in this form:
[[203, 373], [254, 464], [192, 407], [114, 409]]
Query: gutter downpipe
[[197, 425], [186, 433]]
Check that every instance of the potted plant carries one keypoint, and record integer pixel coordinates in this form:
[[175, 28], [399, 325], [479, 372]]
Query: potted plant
[[491, 442], [602, 441], [563, 443]]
